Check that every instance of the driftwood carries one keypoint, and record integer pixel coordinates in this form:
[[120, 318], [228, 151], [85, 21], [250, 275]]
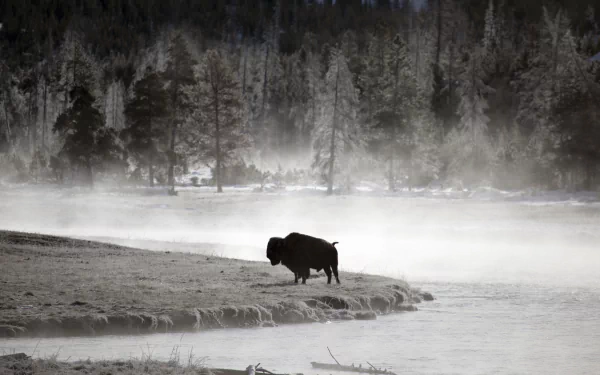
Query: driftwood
[[364, 370], [250, 370], [340, 367], [257, 371], [336, 361], [260, 370]]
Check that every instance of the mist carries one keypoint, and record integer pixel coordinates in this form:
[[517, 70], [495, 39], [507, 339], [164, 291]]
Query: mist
[[418, 239]]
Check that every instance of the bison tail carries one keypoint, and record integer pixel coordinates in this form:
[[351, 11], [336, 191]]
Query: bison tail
[[333, 243]]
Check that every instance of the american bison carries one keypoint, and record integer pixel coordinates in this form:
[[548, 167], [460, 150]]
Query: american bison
[[300, 253]]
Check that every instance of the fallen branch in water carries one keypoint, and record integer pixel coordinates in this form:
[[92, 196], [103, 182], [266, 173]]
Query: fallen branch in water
[[336, 361]]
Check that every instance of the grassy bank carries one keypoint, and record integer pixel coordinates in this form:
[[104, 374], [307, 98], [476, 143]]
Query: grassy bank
[[21, 364], [56, 286]]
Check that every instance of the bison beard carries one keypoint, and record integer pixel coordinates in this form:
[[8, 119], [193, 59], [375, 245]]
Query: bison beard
[[300, 253]]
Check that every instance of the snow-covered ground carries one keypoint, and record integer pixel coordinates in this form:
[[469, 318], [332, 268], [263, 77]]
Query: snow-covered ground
[[424, 234], [526, 196]]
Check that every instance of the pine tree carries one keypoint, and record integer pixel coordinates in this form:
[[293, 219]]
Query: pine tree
[[273, 105], [47, 83], [87, 142], [145, 134], [178, 75], [538, 86], [490, 35], [337, 134], [297, 97], [396, 98], [252, 92], [373, 68], [451, 22], [218, 129], [6, 139], [29, 86], [12, 110], [475, 152], [314, 86], [76, 68]]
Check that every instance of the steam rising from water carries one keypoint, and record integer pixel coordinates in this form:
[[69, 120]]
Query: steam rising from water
[[419, 239]]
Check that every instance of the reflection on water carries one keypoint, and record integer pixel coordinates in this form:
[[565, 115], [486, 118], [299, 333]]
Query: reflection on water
[[469, 329]]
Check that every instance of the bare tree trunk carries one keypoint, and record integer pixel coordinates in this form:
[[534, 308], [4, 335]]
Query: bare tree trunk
[[392, 175], [150, 169], [333, 129], [313, 108], [35, 113], [264, 90], [114, 108], [418, 56], [450, 84], [44, 116], [438, 47], [7, 129], [555, 47], [90, 172], [217, 145], [151, 157], [174, 105], [106, 93], [244, 70], [30, 125], [172, 157]]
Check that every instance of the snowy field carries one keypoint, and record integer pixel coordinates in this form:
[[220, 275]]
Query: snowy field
[[434, 235]]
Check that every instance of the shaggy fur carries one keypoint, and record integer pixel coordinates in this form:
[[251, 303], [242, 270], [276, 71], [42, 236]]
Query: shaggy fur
[[300, 253]]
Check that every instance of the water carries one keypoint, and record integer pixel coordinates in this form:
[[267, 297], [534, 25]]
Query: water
[[420, 239], [469, 329], [517, 284]]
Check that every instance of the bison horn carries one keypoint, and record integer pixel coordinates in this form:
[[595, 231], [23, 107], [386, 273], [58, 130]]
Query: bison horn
[[333, 243]]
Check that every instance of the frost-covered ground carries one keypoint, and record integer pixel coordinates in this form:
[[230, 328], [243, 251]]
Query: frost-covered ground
[[424, 234]]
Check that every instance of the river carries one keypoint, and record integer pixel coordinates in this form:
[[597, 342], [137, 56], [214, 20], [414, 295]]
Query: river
[[468, 329], [517, 283]]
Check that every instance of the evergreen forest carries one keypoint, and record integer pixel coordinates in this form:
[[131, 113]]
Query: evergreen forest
[[406, 93]]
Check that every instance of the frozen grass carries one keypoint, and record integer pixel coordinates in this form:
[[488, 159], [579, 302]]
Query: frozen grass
[[17, 364], [62, 286]]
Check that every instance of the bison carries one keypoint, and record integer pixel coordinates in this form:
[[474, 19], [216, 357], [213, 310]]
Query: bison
[[300, 253]]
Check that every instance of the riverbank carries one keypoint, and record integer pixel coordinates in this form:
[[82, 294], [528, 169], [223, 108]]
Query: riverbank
[[22, 364], [58, 286]]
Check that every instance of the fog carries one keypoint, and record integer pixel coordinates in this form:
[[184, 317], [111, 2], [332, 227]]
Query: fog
[[419, 239]]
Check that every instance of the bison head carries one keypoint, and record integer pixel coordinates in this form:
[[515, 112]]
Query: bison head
[[274, 249]]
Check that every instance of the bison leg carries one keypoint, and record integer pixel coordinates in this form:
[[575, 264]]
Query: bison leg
[[328, 273], [335, 273], [305, 275], [296, 277]]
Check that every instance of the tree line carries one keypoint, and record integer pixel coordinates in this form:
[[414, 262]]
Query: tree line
[[454, 92]]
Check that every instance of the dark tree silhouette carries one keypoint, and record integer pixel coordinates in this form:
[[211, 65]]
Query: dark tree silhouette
[[87, 142], [179, 75], [146, 114]]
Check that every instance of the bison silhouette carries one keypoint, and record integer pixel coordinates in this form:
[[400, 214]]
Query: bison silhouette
[[300, 253]]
